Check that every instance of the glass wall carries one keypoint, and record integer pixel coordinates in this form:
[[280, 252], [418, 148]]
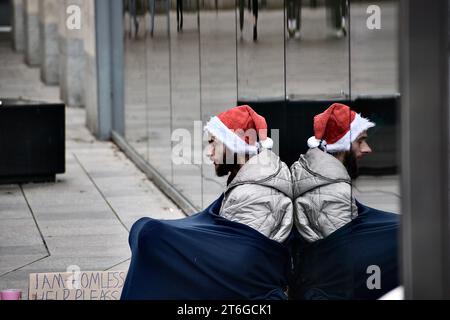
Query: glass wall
[[374, 86], [317, 49], [185, 91], [260, 49], [135, 74], [218, 77], [157, 67], [374, 60], [186, 61]]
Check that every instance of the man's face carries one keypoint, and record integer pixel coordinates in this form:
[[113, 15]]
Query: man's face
[[217, 154], [360, 148]]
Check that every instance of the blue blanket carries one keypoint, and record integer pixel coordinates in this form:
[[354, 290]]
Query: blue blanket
[[338, 267], [204, 257], [208, 257]]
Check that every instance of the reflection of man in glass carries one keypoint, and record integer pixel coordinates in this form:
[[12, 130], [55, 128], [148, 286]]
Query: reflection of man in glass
[[179, 15], [343, 134], [253, 4], [152, 8], [337, 15], [294, 16], [336, 238], [130, 6], [322, 177]]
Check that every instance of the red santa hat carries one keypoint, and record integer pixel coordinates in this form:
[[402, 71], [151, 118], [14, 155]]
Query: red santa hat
[[337, 127], [241, 130]]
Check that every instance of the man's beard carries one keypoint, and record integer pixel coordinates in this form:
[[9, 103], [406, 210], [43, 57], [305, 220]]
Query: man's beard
[[227, 166], [222, 169], [351, 164]]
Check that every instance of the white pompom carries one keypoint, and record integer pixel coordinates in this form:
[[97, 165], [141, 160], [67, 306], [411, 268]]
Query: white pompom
[[313, 142], [267, 143]]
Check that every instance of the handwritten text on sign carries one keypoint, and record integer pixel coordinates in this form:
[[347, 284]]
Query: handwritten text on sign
[[100, 285]]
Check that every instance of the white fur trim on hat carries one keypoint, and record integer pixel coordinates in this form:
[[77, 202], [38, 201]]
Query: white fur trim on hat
[[358, 126], [229, 138]]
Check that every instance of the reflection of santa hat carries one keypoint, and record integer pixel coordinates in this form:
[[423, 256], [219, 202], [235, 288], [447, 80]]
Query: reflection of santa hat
[[241, 130], [337, 127]]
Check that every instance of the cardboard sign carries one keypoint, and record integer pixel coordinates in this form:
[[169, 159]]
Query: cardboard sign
[[93, 285]]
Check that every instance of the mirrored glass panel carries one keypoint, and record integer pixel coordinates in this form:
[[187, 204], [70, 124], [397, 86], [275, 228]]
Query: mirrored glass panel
[[135, 77], [185, 77], [375, 92], [218, 76], [158, 87], [374, 47], [317, 49], [260, 49], [374, 81]]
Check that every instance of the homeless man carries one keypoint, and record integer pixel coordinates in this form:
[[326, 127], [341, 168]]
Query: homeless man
[[234, 249], [336, 239]]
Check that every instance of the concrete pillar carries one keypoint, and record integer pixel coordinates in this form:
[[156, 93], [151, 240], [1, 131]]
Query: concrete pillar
[[61, 48], [71, 52], [48, 25], [18, 26], [103, 76], [424, 81], [32, 44]]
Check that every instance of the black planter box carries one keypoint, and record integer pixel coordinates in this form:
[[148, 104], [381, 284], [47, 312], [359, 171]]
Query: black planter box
[[32, 141]]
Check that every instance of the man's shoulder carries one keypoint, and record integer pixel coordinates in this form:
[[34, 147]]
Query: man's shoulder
[[248, 190]]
